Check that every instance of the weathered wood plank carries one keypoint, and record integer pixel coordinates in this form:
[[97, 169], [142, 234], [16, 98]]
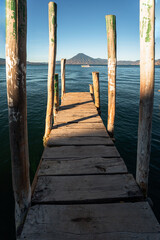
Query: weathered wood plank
[[82, 132], [77, 99], [90, 188], [79, 106], [80, 152], [78, 111], [78, 118], [118, 221], [80, 125], [82, 166], [71, 114], [78, 141]]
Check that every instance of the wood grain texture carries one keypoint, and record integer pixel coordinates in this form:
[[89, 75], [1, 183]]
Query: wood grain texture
[[79, 132], [52, 8], [80, 152], [88, 118], [91, 222], [82, 166], [112, 59], [16, 33], [84, 125], [93, 188], [95, 77], [147, 66], [91, 175], [78, 141], [63, 89]]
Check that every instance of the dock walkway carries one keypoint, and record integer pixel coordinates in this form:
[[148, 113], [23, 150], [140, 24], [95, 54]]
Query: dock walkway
[[83, 189]]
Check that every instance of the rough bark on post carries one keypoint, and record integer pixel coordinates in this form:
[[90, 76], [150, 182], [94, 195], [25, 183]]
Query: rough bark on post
[[16, 27], [95, 76], [51, 67], [63, 62], [91, 90], [56, 94], [147, 58], [111, 39]]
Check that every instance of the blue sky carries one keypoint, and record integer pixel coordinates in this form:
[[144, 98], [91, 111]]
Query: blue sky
[[81, 28]]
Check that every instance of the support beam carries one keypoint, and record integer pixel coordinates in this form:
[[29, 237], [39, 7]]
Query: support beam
[[91, 90], [63, 90], [56, 94], [16, 28], [111, 39], [95, 76], [51, 67], [147, 59]]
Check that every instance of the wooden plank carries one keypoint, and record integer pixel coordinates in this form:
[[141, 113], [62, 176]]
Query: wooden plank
[[69, 113], [90, 132], [118, 221], [80, 125], [70, 104], [78, 118], [85, 189], [82, 166], [78, 141], [79, 106], [78, 111], [78, 99], [80, 152]]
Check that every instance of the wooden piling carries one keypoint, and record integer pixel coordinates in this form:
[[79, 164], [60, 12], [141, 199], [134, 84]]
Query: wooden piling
[[111, 39], [91, 90], [147, 58], [16, 26], [51, 67], [56, 94], [95, 76], [63, 62]]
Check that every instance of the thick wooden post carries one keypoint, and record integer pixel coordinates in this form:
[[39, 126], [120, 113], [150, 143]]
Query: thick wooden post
[[111, 39], [91, 90], [63, 62], [95, 76], [16, 26], [51, 67], [56, 94], [147, 58]]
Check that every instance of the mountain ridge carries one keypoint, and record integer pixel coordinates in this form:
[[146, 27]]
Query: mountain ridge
[[83, 59]]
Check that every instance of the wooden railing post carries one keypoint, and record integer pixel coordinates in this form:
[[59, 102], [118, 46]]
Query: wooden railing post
[[111, 39], [147, 58], [56, 94], [91, 90], [63, 90], [16, 26], [95, 76], [51, 67]]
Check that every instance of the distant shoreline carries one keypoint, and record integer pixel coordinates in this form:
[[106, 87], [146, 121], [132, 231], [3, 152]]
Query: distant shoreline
[[69, 64], [83, 59]]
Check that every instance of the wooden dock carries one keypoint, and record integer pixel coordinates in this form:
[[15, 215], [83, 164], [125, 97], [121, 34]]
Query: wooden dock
[[82, 189]]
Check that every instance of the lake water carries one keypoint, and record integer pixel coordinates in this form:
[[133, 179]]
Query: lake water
[[78, 79]]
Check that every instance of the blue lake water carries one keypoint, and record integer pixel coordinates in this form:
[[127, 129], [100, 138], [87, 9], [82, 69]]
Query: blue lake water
[[78, 79]]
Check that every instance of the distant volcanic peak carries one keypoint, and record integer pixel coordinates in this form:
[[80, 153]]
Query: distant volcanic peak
[[81, 58]]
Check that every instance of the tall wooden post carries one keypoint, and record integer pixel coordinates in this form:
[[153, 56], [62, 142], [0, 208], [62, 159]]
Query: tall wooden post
[[16, 26], [56, 94], [51, 67], [63, 62], [95, 76], [147, 58], [91, 90], [111, 39]]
